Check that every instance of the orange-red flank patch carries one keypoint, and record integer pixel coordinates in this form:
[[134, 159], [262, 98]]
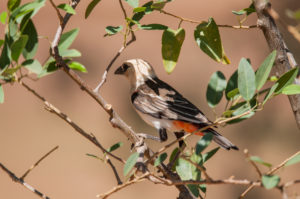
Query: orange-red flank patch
[[187, 127]]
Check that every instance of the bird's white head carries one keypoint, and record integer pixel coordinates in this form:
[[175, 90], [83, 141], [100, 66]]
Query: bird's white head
[[137, 71]]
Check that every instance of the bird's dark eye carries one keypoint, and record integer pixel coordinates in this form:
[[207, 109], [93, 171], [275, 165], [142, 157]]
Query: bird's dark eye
[[125, 67]]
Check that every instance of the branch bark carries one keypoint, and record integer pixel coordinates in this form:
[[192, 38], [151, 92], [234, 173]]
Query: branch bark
[[285, 59]]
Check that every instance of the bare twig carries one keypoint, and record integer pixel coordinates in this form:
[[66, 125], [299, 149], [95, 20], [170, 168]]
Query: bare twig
[[37, 163], [246, 191], [198, 22], [57, 11], [282, 164], [21, 181], [252, 163], [118, 188]]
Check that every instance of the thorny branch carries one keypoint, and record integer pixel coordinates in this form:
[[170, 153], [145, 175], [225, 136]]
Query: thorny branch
[[285, 59], [38, 162], [51, 108], [21, 179]]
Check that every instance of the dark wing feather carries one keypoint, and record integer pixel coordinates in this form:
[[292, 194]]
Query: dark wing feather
[[158, 99]]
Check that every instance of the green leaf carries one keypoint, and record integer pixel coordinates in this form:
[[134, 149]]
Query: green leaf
[[153, 27], [139, 15], [3, 17], [215, 88], [94, 156], [203, 143], [48, 68], [69, 53], [264, 70], [292, 89], [233, 93], [1, 94], [111, 30], [13, 4], [1, 42], [33, 66], [67, 8], [267, 97], [241, 108], [208, 155], [171, 45], [247, 11], [270, 181], [77, 66], [187, 171], [139, 9], [115, 147], [18, 46], [5, 57], [32, 8], [260, 161], [133, 3], [159, 4], [208, 39], [67, 39], [246, 79], [90, 8], [32, 43], [161, 158], [294, 160], [232, 84], [286, 79], [130, 163]]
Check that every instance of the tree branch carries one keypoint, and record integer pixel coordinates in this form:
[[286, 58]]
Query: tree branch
[[285, 59]]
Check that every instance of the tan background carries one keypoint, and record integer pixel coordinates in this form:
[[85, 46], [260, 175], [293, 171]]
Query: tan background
[[28, 131]]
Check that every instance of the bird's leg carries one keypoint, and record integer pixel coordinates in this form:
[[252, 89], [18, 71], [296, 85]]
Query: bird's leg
[[182, 145], [162, 136]]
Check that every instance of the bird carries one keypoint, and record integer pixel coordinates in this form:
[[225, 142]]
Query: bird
[[164, 108]]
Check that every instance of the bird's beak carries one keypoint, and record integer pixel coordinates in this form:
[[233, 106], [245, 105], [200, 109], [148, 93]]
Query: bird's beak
[[119, 71]]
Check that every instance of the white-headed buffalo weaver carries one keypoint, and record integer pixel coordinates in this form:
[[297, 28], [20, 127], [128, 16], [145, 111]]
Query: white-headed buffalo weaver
[[162, 107]]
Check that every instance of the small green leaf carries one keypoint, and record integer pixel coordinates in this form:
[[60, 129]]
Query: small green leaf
[[153, 27], [13, 4], [1, 94], [247, 11], [111, 30], [67, 39], [246, 79], [67, 8], [203, 143], [292, 89], [231, 84], [270, 181], [94, 156], [159, 4], [215, 88], [77, 66], [32, 43], [133, 3], [294, 160], [33, 66], [267, 97], [48, 68], [139, 9], [241, 12], [264, 70], [18, 46], [91, 7], [242, 108], [5, 58], [130, 163], [69, 53], [3, 17], [208, 38], [286, 79], [233, 93], [161, 158], [208, 155], [260, 161], [115, 147], [1, 42], [172, 41]]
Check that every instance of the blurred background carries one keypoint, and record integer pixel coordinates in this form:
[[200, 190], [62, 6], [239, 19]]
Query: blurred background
[[28, 131]]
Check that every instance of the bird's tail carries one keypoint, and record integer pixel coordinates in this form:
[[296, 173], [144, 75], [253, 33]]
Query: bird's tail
[[221, 140]]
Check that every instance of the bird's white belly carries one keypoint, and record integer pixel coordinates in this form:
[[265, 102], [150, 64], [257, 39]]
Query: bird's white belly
[[158, 123]]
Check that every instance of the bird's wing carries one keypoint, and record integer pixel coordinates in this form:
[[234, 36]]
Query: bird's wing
[[161, 101]]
